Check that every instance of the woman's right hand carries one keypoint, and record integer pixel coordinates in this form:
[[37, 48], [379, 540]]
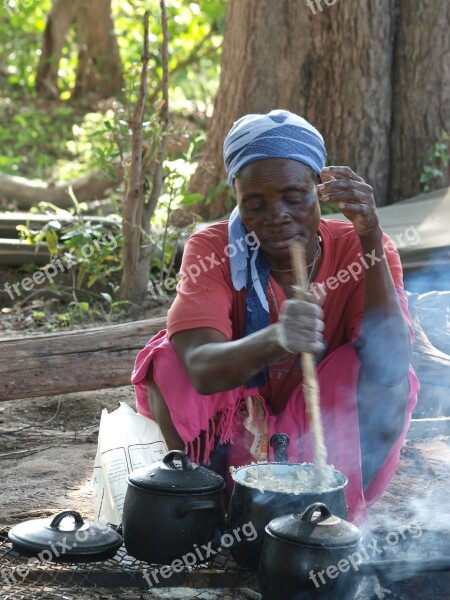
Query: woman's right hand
[[300, 326]]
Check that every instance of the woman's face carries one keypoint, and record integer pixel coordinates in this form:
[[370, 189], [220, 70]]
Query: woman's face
[[278, 201]]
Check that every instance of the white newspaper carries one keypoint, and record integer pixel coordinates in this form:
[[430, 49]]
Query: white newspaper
[[126, 441]]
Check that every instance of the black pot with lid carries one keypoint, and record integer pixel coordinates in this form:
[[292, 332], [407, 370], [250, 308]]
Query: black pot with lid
[[170, 506], [307, 556], [66, 537]]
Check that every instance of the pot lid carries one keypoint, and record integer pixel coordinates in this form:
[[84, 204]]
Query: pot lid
[[65, 536], [316, 527], [176, 476]]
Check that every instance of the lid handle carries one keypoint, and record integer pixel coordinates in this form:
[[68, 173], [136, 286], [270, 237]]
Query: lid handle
[[280, 443], [312, 508], [170, 457], [56, 521]]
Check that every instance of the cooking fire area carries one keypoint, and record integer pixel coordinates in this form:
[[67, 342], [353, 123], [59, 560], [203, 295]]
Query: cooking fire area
[[406, 553], [48, 446]]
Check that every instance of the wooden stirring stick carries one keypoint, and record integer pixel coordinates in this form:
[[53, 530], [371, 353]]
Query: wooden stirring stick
[[310, 385]]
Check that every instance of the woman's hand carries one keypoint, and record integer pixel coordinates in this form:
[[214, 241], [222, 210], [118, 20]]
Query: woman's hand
[[354, 197], [300, 326]]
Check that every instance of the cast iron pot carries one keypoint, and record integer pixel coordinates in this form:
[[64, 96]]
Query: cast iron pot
[[65, 538], [306, 557], [170, 506], [249, 504]]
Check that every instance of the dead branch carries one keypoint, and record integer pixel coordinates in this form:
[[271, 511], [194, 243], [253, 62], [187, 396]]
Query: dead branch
[[27, 193], [164, 114], [137, 211], [133, 203]]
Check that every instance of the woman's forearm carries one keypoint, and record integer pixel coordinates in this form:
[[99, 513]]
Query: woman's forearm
[[216, 366]]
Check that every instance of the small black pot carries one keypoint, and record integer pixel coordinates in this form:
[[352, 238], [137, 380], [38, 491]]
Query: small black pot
[[306, 557], [170, 506]]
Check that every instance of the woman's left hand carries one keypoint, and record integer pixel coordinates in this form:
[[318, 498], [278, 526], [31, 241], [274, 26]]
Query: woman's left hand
[[354, 197]]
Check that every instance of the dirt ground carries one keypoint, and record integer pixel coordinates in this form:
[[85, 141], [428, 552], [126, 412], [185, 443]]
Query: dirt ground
[[47, 450]]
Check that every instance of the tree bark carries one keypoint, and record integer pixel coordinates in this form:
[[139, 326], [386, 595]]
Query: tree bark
[[281, 55], [99, 71], [421, 98], [373, 76], [58, 23], [72, 362]]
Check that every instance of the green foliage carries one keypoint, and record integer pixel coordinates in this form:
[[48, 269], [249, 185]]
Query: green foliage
[[438, 159], [61, 141], [22, 25], [64, 142], [166, 236], [90, 255], [193, 60], [329, 209], [33, 140]]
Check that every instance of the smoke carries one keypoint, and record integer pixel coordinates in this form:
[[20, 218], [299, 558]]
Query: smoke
[[424, 272]]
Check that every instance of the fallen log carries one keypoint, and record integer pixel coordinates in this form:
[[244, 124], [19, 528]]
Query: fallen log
[[27, 193], [103, 357], [75, 361]]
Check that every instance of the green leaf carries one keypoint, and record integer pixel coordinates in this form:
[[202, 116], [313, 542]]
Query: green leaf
[[189, 199], [51, 237], [107, 297]]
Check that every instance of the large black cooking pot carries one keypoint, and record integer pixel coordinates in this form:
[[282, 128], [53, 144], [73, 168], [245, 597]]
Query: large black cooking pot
[[309, 557], [259, 506], [170, 506]]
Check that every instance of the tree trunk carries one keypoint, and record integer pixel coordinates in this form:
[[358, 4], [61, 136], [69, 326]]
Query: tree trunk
[[281, 55], [421, 99], [58, 23], [373, 76], [99, 71], [347, 86]]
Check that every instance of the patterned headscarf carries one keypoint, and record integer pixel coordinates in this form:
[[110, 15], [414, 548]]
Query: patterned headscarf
[[279, 134]]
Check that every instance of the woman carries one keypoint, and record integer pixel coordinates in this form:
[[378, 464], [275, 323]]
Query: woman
[[226, 374]]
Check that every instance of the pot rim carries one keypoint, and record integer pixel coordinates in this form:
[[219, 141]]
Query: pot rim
[[178, 492], [341, 486]]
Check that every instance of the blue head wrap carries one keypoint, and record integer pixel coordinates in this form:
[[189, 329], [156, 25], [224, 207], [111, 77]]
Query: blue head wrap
[[279, 134]]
